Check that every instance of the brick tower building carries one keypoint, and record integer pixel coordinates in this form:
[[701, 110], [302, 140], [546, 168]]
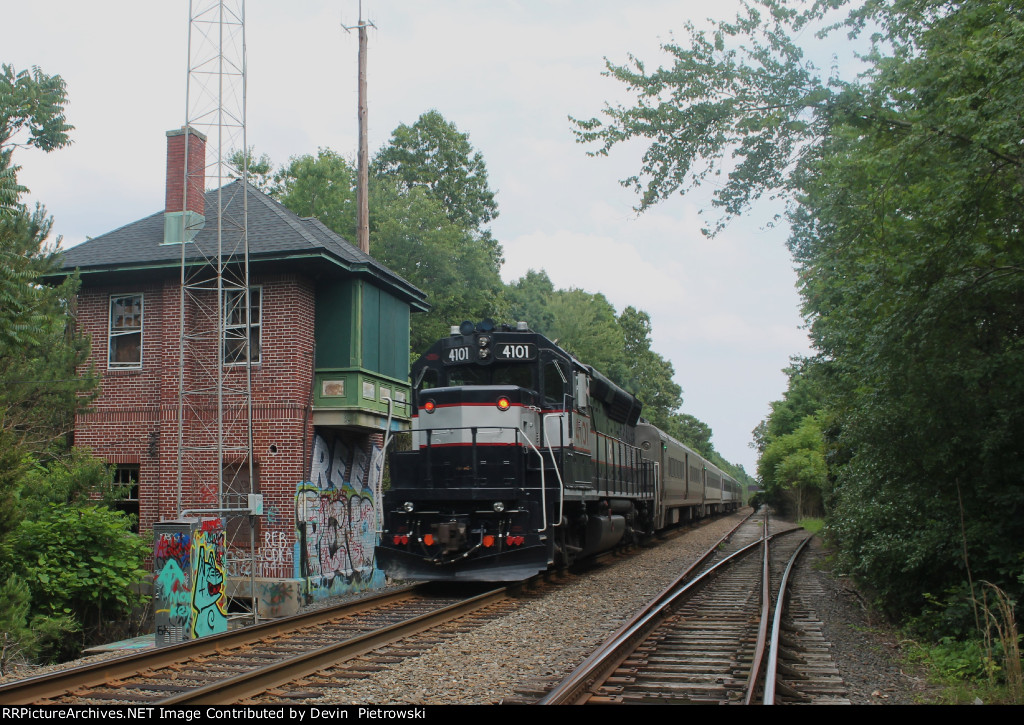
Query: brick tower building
[[330, 362]]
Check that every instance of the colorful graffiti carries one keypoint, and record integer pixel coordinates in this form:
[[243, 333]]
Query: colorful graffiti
[[336, 526], [172, 590], [176, 546], [189, 583], [209, 597]]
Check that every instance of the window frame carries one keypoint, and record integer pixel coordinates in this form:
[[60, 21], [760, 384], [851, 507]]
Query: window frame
[[256, 327], [131, 503], [113, 334]]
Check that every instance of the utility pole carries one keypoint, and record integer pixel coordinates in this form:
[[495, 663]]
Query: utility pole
[[362, 196]]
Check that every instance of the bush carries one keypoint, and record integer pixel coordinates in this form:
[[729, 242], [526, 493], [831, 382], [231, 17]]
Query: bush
[[79, 562]]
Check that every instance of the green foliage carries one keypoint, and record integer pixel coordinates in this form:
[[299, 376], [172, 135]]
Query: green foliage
[[795, 463], [25, 637], [804, 396], [950, 659], [31, 114], [528, 300], [741, 93], [585, 324], [434, 155], [40, 352], [909, 242], [322, 187], [79, 561], [413, 236], [691, 431], [63, 561], [907, 201], [260, 170]]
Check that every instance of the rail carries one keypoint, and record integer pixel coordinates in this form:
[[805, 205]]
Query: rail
[[574, 688], [586, 683], [771, 673]]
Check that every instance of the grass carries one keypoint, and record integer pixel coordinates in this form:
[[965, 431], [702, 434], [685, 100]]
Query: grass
[[960, 674], [814, 526]]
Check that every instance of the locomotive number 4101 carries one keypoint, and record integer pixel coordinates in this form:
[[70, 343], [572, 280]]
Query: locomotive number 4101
[[516, 352], [502, 351]]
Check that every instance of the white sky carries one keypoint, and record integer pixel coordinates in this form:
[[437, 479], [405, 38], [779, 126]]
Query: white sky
[[508, 73]]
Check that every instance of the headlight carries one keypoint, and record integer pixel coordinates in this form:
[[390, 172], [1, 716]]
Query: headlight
[[408, 507], [504, 403], [429, 406], [498, 507]]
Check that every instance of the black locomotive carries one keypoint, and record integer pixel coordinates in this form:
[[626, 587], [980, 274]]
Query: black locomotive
[[521, 458]]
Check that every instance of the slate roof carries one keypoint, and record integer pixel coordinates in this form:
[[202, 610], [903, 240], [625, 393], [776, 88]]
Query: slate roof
[[275, 235]]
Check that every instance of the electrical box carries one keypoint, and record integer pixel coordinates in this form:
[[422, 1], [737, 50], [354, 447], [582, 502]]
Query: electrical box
[[189, 595]]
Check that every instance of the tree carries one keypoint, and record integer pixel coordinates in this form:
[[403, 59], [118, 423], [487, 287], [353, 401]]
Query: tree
[[260, 170], [48, 523], [321, 187], [650, 375], [528, 300], [906, 202], [31, 104], [83, 561], [794, 464], [411, 234], [39, 349], [434, 155], [585, 325], [756, 102], [691, 431]]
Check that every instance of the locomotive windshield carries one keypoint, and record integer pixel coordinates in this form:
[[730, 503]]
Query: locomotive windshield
[[516, 374]]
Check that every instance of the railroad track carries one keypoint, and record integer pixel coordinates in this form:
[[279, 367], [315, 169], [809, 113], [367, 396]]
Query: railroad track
[[800, 668], [287, 660], [244, 663], [704, 639]]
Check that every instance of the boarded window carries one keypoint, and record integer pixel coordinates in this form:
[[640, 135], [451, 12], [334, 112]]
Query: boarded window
[[240, 347], [125, 332]]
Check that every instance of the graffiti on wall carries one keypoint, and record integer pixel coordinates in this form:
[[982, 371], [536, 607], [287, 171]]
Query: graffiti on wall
[[209, 596], [336, 526]]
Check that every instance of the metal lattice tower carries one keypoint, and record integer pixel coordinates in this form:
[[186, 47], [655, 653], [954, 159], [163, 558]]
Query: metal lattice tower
[[218, 341]]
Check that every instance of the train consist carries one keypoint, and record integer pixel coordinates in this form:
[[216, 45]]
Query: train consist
[[521, 457]]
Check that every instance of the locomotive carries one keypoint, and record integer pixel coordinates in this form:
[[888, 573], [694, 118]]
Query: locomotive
[[522, 457]]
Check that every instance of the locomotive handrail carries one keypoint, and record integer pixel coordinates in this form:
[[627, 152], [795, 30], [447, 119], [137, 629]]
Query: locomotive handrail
[[554, 464], [378, 498], [543, 487]]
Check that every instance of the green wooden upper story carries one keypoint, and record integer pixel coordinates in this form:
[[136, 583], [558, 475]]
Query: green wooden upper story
[[362, 356]]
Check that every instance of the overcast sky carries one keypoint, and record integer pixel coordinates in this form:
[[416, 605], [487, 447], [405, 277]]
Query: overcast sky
[[508, 73]]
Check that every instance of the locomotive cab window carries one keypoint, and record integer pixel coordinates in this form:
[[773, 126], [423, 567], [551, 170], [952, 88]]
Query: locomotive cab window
[[554, 384], [428, 379], [519, 375], [469, 375]]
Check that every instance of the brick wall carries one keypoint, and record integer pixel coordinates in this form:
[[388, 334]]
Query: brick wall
[[135, 417], [176, 171]]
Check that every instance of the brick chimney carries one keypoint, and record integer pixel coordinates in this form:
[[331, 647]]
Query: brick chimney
[[182, 224]]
